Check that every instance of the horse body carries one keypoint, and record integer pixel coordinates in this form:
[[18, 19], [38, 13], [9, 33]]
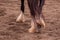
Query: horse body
[[35, 7]]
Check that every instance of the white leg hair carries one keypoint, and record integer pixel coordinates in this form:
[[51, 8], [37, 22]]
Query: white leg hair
[[33, 27], [21, 17], [42, 22]]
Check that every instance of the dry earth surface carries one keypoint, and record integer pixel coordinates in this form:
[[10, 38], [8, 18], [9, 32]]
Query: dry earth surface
[[10, 30]]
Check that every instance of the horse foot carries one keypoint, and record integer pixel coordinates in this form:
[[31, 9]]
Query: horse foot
[[21, 18], [32, 30], [41, 22]]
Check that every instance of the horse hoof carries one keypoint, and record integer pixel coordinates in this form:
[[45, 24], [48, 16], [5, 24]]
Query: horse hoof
[[31, 30]]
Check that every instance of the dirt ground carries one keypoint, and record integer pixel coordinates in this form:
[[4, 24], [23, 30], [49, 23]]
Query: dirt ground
[[10, 30]]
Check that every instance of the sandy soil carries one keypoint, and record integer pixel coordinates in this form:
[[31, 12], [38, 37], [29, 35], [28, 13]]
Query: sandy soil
[[10, 30]]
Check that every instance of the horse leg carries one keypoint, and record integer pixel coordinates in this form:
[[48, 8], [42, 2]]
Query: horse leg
[[39, 16], [21, 16], [31, 4]]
